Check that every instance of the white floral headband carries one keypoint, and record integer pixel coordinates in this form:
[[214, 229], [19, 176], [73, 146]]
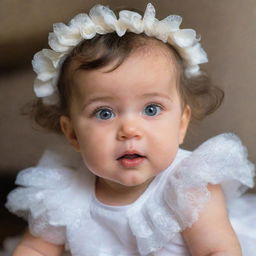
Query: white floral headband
[[101, 20]]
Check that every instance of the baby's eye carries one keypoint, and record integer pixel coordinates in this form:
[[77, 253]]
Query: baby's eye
[[104, 114], [152, 110]]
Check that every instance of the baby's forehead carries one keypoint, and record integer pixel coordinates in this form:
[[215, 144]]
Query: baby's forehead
[[148, 58], [160, 50], [143, 47], [149, 69], [155, 61]]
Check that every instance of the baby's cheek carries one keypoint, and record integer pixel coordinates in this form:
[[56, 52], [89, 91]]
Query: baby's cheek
[[168, 157], [167, 151], [92, 161], [94, 152]]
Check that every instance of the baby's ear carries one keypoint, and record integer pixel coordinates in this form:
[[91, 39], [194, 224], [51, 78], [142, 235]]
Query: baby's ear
[[69, 132], [185, 119]]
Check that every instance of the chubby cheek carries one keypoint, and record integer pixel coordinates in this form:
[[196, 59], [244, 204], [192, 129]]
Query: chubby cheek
[[94, 159], [165, 155], [165, 144], [95, 147]]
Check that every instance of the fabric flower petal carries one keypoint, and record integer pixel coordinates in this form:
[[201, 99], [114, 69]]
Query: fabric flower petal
[[132, 21], [43, 66], [84, 24], [43, 89], [172, 22], [192, 71], [46, 76], [194, 55], [149, 20], [66, 35], [104, 19], [41, 63], [55, 57], [164, 27], [54, 43], [185, 37]]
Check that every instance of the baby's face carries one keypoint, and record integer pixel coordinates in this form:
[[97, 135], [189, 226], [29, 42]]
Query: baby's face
[[128, 123]]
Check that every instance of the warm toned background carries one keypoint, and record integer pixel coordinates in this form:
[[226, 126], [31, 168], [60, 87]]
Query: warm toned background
[[228, 30]]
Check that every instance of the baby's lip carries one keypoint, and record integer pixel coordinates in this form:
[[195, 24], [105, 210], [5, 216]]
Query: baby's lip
[[130, 152]]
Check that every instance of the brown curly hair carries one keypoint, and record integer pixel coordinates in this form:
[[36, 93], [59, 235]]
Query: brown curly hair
[[198, 92]]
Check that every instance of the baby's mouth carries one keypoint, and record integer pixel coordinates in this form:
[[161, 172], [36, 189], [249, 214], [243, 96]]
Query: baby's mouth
[[131, 160], [129, 156]]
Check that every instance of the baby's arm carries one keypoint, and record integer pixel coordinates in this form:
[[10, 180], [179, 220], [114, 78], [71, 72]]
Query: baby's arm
[[34, 246], [212, 234]]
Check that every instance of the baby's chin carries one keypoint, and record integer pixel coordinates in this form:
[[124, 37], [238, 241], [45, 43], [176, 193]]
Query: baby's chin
[[134, 182]]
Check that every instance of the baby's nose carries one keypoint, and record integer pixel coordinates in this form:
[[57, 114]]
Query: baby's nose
[[129, 130]]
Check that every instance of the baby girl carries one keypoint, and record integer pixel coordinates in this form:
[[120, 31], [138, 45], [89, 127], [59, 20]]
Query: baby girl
[[123, 92]]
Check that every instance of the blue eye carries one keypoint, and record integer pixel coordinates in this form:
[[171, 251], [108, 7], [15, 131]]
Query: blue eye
[[152, 110], [104, 114]]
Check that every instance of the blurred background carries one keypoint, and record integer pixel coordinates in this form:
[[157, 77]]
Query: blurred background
[[228, 31]]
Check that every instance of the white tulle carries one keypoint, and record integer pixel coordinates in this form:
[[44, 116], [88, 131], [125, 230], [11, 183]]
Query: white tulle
[[60, 204], [102, 20]]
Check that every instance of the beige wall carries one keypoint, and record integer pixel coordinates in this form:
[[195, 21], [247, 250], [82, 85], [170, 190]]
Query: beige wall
[[228, 34]]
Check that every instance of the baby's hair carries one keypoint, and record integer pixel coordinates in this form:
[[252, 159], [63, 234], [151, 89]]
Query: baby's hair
[[198, 92]]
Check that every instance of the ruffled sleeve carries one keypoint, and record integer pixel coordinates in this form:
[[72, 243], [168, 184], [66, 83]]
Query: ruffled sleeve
[[51, 197], [33, 200], [220, 160], [183, 192]]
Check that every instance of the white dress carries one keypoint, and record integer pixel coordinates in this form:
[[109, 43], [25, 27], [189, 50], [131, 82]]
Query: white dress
[[58, 200]]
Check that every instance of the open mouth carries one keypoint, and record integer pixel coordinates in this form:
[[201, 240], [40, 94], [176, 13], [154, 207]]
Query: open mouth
[[131, 160], [129, 156]]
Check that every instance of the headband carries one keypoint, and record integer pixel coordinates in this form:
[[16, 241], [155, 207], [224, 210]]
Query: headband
[[101, 20]]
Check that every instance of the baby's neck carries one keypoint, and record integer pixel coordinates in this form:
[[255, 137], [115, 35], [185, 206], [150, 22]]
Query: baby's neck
[[115, 194]]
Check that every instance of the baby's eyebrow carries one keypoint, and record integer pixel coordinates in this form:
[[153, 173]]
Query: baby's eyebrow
[[110, 98], [96, 99], [156, 94]]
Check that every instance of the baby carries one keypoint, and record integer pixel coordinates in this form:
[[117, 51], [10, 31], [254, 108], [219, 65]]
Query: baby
[[123, 93]]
